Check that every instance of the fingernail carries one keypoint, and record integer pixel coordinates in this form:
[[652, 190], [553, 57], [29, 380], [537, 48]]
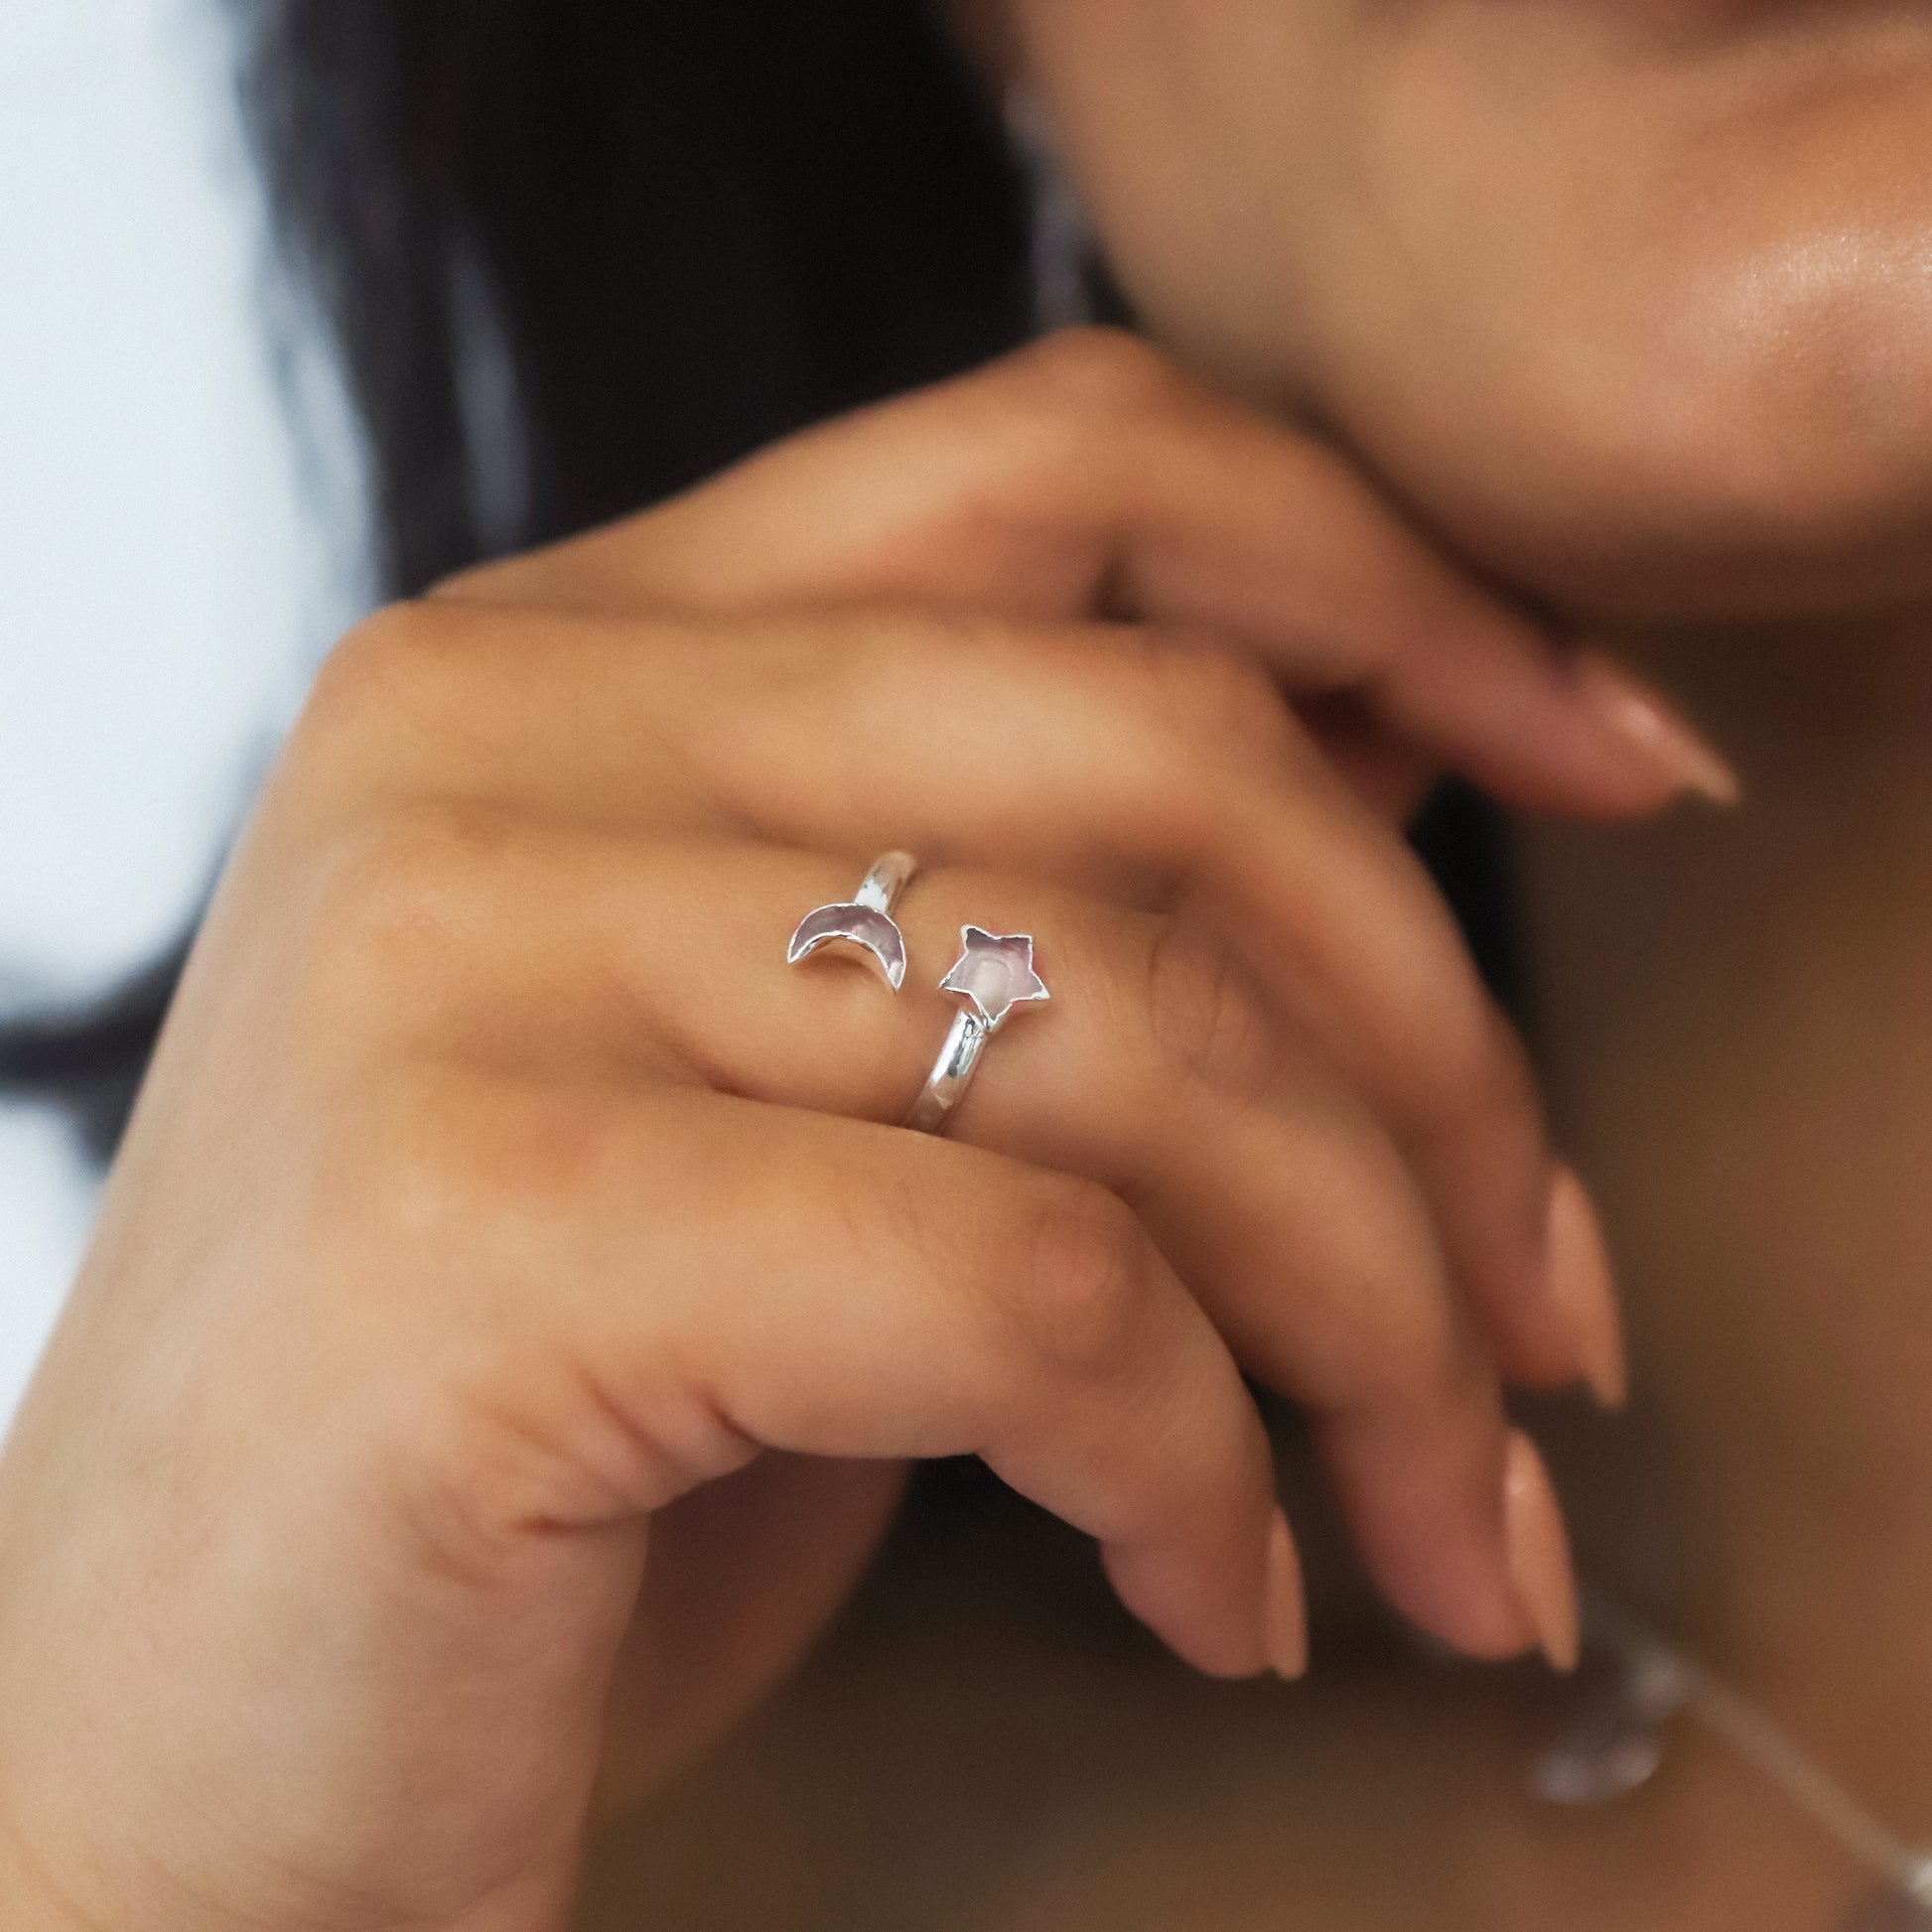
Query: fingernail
[[1285, 1609], [1656, 729], [1585, 1290], [1539, 1553]]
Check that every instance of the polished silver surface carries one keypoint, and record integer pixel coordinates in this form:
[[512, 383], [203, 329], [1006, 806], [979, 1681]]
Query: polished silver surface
[[993, 974], [887, 878], [1607, 1751], [1627, 1692], [951, 1074], [865, 921]]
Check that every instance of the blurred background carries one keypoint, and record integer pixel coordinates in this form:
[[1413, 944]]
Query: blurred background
[[180, 536], [488, 207]]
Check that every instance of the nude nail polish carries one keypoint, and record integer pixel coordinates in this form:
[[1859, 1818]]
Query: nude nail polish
[[1285, 1608], [1656, 729], [1539, 1553], [1584, 1289]]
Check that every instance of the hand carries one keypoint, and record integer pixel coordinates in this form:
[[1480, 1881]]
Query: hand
[[513, 1303]]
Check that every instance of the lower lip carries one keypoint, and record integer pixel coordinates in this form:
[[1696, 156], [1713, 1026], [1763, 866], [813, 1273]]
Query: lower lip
[[1687, 11]]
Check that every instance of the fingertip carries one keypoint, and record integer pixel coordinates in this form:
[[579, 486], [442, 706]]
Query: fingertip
[[1539, 1554], [1227, 1619], [1583, 1288], [1653, 734], [1427, 1512], [1559, 730], [1285, 1604]]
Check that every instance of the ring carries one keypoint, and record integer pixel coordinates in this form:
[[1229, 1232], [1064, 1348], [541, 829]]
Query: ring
[[865, 922], [992, 975]]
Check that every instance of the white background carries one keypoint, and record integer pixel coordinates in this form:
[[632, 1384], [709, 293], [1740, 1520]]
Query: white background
[[169, 571]]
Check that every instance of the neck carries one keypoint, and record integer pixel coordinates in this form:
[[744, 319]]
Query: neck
[[1735, 1014]]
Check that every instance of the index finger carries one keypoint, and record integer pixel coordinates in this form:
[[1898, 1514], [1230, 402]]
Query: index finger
[[1090, 478]]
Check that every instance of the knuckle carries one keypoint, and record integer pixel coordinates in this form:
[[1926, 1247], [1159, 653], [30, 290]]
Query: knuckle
[[1376, 1320], [1205, 1017], [1386, 1339], [464, 1171], [1188, 725], [394, 1174], [380, 677], [1396, 1353], [1098, 373], [1078, 1286], [392, 918], [875, 667], [1153, 773], [390, 884], [1218, 700], [1467, 1064], [1071, 418], [443, 1211]]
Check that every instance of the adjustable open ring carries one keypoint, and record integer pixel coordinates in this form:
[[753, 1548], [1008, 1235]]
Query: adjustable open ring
[[866, 921], [992, 975]]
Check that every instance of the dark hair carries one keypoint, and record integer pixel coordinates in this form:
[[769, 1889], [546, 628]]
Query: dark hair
[[577, 254]]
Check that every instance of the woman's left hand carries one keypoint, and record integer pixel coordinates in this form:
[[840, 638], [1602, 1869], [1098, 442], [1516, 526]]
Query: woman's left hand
[[401, 1245], [1090, 478]]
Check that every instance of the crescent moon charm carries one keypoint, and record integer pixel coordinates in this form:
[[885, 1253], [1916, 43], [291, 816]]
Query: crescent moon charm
[[859, 924], [865, 921]]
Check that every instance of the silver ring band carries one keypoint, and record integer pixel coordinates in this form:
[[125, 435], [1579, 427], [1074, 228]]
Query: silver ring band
[[952, 1073], [888, 876], [992, 975]]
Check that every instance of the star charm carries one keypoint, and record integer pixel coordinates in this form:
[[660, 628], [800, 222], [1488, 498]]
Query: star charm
[[996, 973]]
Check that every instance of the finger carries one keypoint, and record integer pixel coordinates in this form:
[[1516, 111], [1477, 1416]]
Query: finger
[[1279, 1199], [1090, 478], [654, 1288], [1111, 765], [1278, 1196]]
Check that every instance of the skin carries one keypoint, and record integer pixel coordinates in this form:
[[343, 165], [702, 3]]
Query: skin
[[580, 1245], [1733, 1026], [1787, 1181], [570, 1203], [1626, 301]]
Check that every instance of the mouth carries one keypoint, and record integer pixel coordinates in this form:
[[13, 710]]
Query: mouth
[[1697, 20]]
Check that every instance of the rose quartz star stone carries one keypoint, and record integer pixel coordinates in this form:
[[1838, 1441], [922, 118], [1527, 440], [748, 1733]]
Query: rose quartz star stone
[[996, 973]]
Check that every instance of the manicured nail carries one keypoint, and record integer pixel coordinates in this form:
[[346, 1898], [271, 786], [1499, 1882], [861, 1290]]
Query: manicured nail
[[1657, 728], [1539, 1553], [1585, 1290], [1285, 1608]]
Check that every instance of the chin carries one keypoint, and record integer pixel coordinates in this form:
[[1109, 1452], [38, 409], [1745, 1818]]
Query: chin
[[1763, 451], [1721, 407]]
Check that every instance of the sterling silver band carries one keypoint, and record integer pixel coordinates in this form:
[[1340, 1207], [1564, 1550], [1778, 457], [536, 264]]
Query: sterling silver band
[[952, 1073], [992, 975], [888, 876]]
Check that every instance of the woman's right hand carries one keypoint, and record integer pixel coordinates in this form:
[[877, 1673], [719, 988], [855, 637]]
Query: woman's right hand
[[514, 1301]]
